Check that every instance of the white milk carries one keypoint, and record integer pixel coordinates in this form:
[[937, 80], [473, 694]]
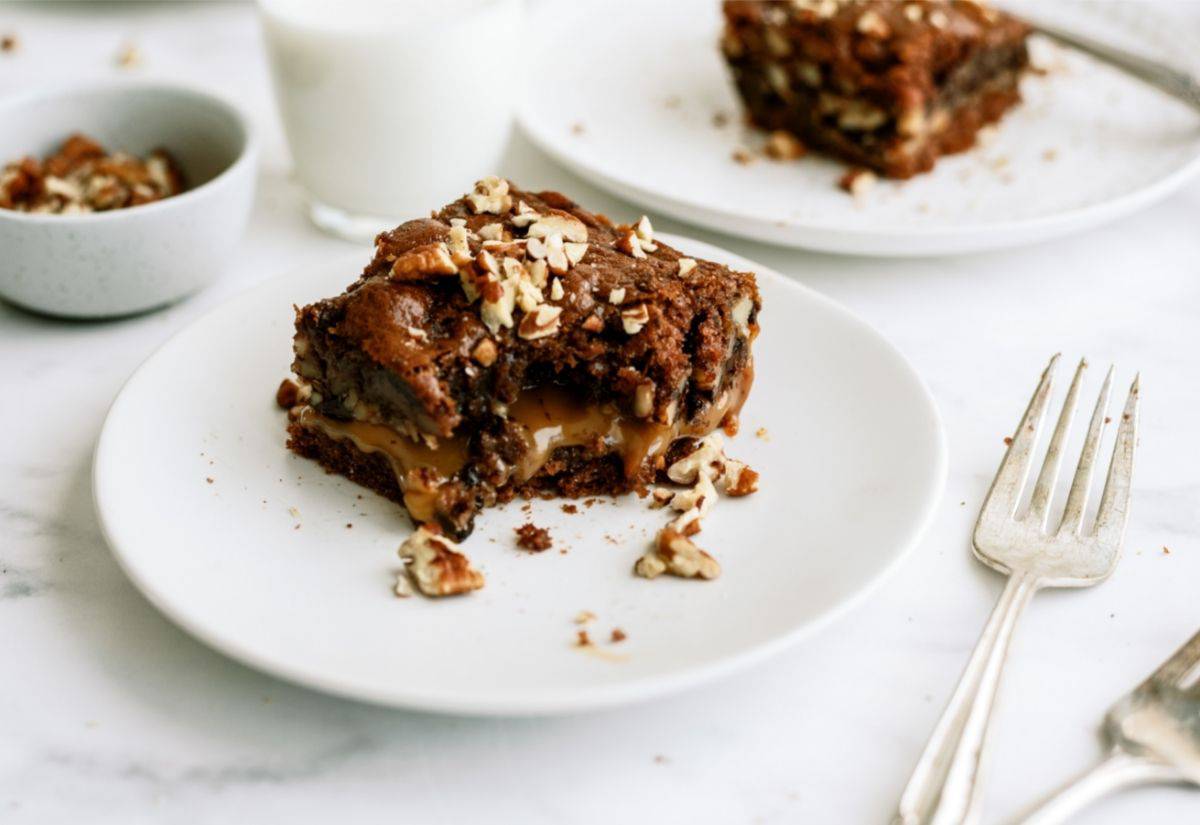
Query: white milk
[[392, 107]]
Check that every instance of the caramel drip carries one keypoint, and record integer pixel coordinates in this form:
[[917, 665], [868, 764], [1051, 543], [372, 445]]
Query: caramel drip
[[552, 418], [447, 458]]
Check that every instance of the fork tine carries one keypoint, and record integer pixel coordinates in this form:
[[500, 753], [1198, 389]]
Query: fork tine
[[1044, 490], [1181, 663], [1114, 501], [1077, 498], [1014, 469]]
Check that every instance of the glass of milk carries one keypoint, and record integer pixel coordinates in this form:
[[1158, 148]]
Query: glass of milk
[[392, 107]]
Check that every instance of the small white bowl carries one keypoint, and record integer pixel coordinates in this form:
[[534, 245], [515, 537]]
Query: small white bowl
[[127, 260]]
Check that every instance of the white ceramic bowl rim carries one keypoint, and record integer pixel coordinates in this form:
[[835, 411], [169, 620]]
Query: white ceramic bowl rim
[[201, 97]]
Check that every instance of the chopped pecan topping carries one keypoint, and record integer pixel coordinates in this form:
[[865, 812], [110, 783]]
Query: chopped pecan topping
[[429, 259], [635, 318], [676, 554], [542, 322], [490, 196], [558, 223], [485, 352], [436, 566]]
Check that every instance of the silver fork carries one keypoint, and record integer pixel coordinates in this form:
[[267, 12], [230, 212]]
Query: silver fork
[[1024, 547], [1174, 81], [1153, 736]]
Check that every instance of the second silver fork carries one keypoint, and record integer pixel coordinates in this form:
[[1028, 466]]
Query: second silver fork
[[1033, 554]]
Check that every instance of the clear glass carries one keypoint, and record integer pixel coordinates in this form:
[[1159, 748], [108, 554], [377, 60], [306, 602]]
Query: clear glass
[[391, 108]]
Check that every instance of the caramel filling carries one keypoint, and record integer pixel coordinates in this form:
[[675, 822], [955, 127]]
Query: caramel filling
[[405, 455], [551, 418]]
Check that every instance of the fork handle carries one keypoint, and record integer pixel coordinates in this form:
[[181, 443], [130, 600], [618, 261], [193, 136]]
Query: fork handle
[[1118, 770], [1175, 82], [942, 787]]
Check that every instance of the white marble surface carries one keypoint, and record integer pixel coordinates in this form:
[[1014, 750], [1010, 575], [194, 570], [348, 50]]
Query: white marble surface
[[108, 713]]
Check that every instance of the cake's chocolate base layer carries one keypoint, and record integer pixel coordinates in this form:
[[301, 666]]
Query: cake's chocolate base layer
[[371, 470], [887, 153], [571, 472]]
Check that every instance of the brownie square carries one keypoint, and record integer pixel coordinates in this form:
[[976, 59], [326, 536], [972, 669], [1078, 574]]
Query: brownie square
[[886, 84], [514, 343]]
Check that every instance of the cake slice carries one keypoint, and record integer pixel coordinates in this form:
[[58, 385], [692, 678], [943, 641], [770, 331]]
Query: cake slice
[[514, 343], [885, 84]]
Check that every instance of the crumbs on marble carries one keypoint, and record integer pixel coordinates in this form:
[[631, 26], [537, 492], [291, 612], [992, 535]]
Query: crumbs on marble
[[762, 433], [8, 43]]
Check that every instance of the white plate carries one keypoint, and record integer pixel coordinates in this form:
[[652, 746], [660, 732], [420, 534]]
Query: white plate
[[635, 84], [851, 474]]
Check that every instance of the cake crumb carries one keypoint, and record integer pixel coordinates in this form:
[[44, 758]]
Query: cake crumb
[[762, 433], [129, 57], [584, 616], [1008, 441], [8, 43], [1166, 550], [720, 119], [349, 526], [209, 479], [570, 509], [532, 538], [742, 156], [857, 181], [782, 145], [578, 128], [582, 639], [618, 635], [1050, 155]]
